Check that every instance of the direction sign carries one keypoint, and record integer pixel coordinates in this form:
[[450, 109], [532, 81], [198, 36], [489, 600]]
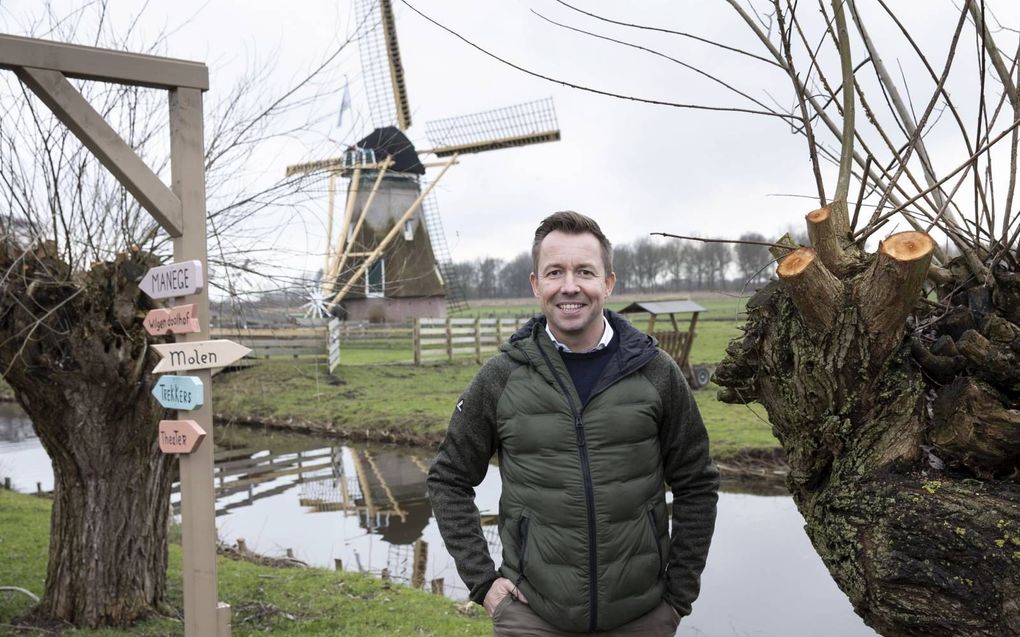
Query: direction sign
[[178, 357], [179, 392], [179, 436], [181, 319], [174, 279]]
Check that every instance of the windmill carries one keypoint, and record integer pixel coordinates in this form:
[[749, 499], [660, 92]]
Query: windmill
[[389, 260]]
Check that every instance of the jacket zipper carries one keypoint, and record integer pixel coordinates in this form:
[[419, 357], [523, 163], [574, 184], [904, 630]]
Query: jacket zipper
[[522, 532], [589, 496]]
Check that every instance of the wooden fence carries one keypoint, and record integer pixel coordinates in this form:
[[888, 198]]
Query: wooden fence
[[450, 337], [300, 344]]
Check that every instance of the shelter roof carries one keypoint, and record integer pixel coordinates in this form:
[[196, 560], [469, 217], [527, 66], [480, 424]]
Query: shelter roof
[[663, 307]]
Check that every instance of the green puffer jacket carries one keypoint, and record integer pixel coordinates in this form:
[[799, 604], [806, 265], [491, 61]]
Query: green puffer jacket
[[582, 514]]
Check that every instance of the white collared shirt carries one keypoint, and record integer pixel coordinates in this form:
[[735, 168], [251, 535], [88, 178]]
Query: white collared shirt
[[607, 336]]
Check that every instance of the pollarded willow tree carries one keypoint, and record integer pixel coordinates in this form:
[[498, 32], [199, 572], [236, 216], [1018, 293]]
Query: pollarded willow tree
[[892, 377], [73, 247]]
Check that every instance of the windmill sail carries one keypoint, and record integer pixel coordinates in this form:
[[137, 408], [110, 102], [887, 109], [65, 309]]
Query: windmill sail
[[382, 72], [507, 127]]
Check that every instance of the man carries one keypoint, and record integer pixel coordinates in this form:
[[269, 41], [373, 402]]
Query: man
[[589, 419]]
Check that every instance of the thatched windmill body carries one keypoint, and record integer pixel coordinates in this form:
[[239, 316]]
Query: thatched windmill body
[[387, 260]]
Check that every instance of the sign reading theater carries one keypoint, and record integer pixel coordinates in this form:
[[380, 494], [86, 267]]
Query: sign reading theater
[[174, 279], [197, 355]]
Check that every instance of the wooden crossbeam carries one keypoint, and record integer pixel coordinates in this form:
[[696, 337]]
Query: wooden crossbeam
[[102, 65]]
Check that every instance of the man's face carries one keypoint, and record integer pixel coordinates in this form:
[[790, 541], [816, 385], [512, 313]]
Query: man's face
[[572, 285]]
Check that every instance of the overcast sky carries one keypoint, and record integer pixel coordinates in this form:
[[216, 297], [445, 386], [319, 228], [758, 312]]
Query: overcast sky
[[636, 168]]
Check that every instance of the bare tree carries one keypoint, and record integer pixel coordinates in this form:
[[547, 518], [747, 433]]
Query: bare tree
[[72, 346], [891, 379]]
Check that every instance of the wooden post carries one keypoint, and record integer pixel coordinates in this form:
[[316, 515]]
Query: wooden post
[[651, 323], [449, 338], [338, 564], [38, 488], [499, 331], [290, 553], [437, 586], [421, 559], [242, 546], [416, 339], [385, 575], [7, 483], [478, 340], [202, 612]]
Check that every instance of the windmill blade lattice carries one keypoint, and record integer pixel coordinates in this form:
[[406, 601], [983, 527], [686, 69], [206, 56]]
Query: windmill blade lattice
[[507, 127], [382, 72]]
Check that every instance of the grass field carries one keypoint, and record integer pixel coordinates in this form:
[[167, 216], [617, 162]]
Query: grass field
[[377, 394], [264, 599]]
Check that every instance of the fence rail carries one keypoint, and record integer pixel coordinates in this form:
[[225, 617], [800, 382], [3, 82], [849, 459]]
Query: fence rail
[[303, 344], [451, 337]]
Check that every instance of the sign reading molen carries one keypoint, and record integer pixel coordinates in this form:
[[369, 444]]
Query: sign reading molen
[[174, 279], [198, 355]]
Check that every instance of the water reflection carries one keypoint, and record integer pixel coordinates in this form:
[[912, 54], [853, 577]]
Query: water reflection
[[366, 506]]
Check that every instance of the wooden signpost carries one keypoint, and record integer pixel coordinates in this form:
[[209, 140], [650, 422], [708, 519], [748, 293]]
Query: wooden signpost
[[180, 209], [172, 320], [179, 392], [179, 436], [198, 355], [175, 279]]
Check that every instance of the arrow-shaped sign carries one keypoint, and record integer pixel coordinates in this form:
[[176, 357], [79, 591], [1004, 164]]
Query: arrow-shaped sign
[[182, 319], [179, 392], [174, 279], [179, 436], [198, 355]]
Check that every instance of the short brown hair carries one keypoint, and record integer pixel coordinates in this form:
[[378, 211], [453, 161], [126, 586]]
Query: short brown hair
[[571, 222]]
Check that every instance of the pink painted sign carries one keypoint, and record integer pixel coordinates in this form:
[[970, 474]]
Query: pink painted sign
[[179, 436], [181, 319]]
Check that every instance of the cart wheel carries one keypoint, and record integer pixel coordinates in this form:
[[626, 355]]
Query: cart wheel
[[702, 376]]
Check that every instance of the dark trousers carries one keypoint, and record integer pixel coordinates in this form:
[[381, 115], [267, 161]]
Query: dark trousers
[[515, 619]]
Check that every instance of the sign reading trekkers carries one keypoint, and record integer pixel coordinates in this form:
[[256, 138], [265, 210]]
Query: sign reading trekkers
[[179, 436], [179, 392], [198, 355], [174, 320], [175, 279]]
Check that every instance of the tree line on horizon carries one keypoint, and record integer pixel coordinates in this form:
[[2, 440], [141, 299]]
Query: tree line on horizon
[[645, 265]]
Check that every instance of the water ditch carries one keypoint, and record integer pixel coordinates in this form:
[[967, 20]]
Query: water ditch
[[366, 506]]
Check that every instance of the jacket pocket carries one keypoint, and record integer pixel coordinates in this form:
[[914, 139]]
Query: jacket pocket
[[522, 533], [653, 525]]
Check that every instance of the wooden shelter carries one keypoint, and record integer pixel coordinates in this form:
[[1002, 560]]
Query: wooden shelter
[[675, 342]]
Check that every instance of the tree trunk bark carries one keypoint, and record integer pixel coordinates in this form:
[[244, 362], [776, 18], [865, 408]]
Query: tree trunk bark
[[908, 482], [75, 353]]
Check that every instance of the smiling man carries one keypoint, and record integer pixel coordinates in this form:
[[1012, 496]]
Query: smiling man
[[588, 419]]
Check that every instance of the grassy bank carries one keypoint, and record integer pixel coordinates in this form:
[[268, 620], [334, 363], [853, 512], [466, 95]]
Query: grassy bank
[[264, 599], [411, 405]]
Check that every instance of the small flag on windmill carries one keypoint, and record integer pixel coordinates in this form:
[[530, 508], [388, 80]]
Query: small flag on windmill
[[345, 102]]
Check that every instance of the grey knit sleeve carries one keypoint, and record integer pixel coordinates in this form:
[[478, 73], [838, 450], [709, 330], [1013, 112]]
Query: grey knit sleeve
[[459, 467], [693, 479]]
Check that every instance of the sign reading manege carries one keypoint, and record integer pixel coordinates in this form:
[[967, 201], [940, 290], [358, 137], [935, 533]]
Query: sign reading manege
[[175, 279]]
